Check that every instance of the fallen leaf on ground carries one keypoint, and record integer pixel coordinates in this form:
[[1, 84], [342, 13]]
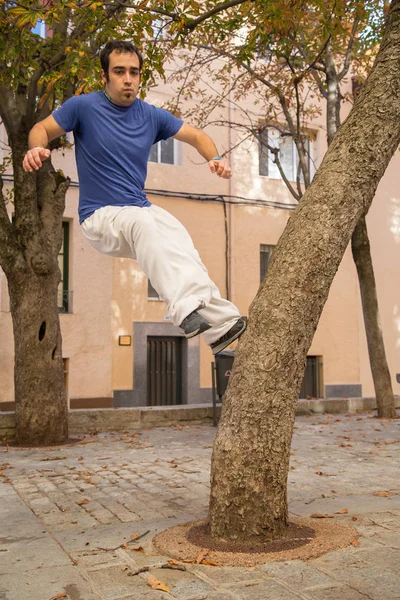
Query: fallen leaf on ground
[[355, 543], [53, 458], [138, 549], [134, 536], [62, 595], [84, 501], [173, 563], [344, 511], [156, 584], [209, 563], [321, 516], [382, 494], [201, 556]]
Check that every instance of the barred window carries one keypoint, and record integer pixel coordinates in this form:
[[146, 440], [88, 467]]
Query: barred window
[[265, 257]]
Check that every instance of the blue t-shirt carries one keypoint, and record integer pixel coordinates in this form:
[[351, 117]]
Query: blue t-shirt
[[112, 147]]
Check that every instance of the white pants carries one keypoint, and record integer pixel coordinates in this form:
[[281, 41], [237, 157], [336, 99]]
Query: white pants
[[166, 254]]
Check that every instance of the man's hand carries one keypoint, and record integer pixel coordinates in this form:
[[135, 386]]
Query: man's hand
[[221, 167], [34, 157]]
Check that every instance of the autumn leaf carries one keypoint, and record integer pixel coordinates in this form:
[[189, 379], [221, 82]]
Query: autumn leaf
[[62, 595], [382, 494], [173, 563], [355, 543], [84, 501], [344, 511], [321, 516], [209, 563], [201, 556], [156, 584], [138, 549], [135, 536]]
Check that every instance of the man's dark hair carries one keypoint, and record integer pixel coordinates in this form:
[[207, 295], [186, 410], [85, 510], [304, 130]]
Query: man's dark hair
[[121, 47]]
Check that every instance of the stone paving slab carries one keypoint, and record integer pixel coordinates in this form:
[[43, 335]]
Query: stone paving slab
[[24, 541], [46, 583], [79, 519]]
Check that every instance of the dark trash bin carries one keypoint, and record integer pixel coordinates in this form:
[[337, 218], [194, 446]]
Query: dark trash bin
[[221, 371]]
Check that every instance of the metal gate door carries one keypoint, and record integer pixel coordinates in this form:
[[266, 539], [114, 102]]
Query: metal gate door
[[164, 371], [312, 382]]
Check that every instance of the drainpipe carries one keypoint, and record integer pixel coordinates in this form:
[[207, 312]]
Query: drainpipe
[[231, 182]]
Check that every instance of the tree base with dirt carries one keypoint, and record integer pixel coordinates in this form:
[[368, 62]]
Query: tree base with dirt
[[304, 539]]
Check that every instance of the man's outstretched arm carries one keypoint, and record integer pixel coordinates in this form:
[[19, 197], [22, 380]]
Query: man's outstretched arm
[[206, 148], [40, 135]]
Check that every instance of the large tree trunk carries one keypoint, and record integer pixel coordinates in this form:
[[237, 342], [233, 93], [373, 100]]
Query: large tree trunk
[[31, 267], [41, 405], [251, 452], [376, 348]]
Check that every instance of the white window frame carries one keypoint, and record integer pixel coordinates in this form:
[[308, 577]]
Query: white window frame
[[150, 289], [274, 137], [177, 154]]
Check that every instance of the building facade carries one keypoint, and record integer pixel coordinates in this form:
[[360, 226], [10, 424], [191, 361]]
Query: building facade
[[119, 346]]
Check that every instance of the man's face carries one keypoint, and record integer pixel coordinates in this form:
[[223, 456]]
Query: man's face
[[123, 78]]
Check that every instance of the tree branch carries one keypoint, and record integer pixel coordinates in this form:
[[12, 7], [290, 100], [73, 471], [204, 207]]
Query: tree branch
[[9, 251], [219, 8], [52, 187], [314, 68], [189, 24], [8, 111], [349, 50]]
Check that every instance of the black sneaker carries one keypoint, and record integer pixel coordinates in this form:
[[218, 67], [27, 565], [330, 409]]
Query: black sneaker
[[235, 331], [194, 324]]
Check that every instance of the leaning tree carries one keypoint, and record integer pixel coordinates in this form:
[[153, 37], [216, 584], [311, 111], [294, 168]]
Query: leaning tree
[[251, 453]]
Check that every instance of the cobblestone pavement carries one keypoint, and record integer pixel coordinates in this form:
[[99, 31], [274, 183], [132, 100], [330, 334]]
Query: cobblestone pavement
[[70, 515]]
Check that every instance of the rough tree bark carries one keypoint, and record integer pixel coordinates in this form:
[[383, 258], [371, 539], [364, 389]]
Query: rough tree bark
[[376, 348], [251, 453], [32, 271]]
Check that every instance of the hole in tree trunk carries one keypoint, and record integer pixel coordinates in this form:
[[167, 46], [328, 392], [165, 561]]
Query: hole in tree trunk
[[42, 331], [53, 354]]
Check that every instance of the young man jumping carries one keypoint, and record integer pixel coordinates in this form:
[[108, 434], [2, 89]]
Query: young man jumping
[[114, 132]]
